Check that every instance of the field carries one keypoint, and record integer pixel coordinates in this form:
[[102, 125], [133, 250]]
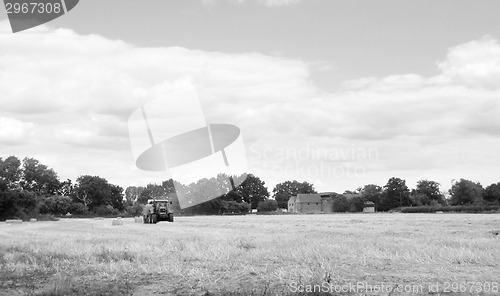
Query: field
[[368, 254]]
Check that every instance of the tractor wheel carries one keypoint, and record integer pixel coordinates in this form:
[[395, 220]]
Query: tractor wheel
[[170, 217], [154, 218]]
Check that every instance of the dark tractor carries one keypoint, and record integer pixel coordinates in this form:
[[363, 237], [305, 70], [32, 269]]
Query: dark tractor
[[158, 210]]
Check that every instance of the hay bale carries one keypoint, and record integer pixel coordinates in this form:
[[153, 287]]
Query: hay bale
[[33, 220], [14, 221], [117, 222], [138, 220], [439, 212]]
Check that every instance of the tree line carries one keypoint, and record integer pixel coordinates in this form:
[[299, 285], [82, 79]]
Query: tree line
[[396, 194], [29, 188]]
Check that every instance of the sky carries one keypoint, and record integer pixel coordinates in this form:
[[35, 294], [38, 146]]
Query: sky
[[336, 93]]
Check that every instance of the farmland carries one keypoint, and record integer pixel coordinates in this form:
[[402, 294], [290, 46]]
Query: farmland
[[253, 255]]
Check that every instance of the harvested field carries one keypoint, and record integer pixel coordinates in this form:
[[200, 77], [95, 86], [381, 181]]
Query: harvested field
[[254, 255]]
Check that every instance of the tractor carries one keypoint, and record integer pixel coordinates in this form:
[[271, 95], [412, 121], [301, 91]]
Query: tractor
[[158, 210]]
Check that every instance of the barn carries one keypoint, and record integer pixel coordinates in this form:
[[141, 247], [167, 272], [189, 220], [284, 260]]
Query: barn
[[369, 207], [305, 203], [319, 203]]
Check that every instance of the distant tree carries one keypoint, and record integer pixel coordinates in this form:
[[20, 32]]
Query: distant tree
[[283, 191], [269, 205], [77, 208], [10, 172], [466, 192], [340, 203], [204, 191], [8, 208], [17, 204], [132, 193], [55, 205], [430, 189], [492, 194], [66, 188], [357, 191], [356, 203], [396, 194], [224, 183], [253, 190], [94, 191], [419, 199], [116, 197], [372, 193], [134, 210], [152, 191], [38, 178], [106, 210], [235, 207]]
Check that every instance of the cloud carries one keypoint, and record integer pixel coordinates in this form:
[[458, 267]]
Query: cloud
[[78, 91], [476, 63], [72, 95], [14, 132]]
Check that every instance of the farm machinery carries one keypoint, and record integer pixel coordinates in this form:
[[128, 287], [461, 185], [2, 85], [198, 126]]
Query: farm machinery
[[158, 210]]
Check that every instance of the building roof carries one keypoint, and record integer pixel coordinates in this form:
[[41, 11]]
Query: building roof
[[327, 194], [292, 198], [308, 198], [369, 203]]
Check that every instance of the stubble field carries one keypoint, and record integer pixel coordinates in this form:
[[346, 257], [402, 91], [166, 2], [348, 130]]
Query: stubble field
[[338, 254]]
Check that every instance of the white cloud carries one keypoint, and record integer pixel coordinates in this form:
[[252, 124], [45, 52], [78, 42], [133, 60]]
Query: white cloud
[[14, 132], [78, 92], [476, 63]]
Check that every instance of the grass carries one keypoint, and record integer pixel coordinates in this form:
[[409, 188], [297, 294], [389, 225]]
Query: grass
[[248, 255]]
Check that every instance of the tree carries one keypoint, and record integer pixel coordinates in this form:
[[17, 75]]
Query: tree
[[10, 172], [116, 197], [235, 207], [66, 188], [269, 205], [253, 190], [466, 192], [132, 194], [55, 204], [340, 203], [17, 204], [419, 199], [94, 191], [356, 203], [283, 191], [7, 204], [38, 178], [491, 194], [429, 189], [372, 193], [396, 194], [152, 191]]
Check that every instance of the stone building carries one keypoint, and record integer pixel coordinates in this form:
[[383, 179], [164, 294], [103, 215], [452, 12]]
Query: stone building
[[315, 203], [369, 207], [305, 203]]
